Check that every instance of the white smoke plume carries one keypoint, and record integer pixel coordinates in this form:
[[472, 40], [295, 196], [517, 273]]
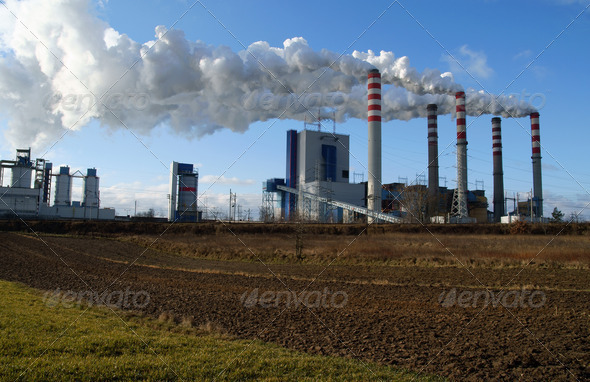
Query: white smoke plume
[[58, 59]]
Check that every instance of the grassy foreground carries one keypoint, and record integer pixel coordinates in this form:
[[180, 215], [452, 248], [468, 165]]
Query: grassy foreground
[[44, 341]]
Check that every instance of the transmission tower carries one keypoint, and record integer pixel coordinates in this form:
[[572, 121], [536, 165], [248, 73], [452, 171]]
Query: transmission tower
[[268, 206], [358, 177], [421, 179]]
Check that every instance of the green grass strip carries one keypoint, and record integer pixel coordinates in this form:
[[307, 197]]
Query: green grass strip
[[40, 340]]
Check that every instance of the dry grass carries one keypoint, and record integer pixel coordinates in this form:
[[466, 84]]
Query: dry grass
[[187, 322], [187, 325], [166, 317], [481, 245], [421, 249]]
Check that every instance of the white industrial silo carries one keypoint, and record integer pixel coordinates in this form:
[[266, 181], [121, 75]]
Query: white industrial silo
[[22, 170], [91, 195], [63, 187], [21, 177]]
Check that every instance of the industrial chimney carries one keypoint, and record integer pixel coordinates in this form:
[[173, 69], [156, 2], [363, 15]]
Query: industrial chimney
[[374, 122], [498, 169], [433, 192], [537, 183], [460, 204]]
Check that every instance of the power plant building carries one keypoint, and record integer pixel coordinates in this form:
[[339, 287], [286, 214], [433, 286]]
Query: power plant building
[[317, 181], [318, 163], [25, 199], [182, 202]]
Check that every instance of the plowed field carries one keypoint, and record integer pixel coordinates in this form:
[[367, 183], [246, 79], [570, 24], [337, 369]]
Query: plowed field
[[427, 319]]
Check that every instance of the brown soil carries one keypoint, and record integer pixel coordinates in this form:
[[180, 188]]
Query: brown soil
[[392, 315]]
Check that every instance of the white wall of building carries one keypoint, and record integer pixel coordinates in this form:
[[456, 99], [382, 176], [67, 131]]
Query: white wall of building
[[309, 145], [76, 212], [23, 201]]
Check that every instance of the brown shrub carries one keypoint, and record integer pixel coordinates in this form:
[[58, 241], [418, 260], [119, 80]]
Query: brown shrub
[[519, 228]]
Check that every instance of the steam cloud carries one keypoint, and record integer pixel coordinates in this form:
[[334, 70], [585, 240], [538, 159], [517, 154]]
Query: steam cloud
[[193, 87]]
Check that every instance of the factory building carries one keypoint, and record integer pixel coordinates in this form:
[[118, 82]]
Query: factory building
[[20, 197], [182, 203], [413, 202], [317, 179], [318, 163], [27, 199]]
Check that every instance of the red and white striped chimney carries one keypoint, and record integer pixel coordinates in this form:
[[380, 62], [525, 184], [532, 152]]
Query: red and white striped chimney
[[461, 155], [498, 169], [536, 157], [374, 122], [433, 192]]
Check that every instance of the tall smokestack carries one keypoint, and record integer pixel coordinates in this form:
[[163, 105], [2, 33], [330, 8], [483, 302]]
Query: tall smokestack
[[537, 182], [433, 193], [461, 206], [374, 121], [498, 169]]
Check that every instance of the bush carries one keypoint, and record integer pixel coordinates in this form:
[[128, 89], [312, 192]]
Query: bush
[[519, 228]]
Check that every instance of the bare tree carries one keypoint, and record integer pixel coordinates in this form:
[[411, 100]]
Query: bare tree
[[266, 214], [415, 203], [147, 214]]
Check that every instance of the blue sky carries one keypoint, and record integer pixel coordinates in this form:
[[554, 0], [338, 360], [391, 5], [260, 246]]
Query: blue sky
[[535, 50]]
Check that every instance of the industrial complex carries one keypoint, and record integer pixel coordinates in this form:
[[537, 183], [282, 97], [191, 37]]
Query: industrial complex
[[31, 199], [32, 183], [317, 185]]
